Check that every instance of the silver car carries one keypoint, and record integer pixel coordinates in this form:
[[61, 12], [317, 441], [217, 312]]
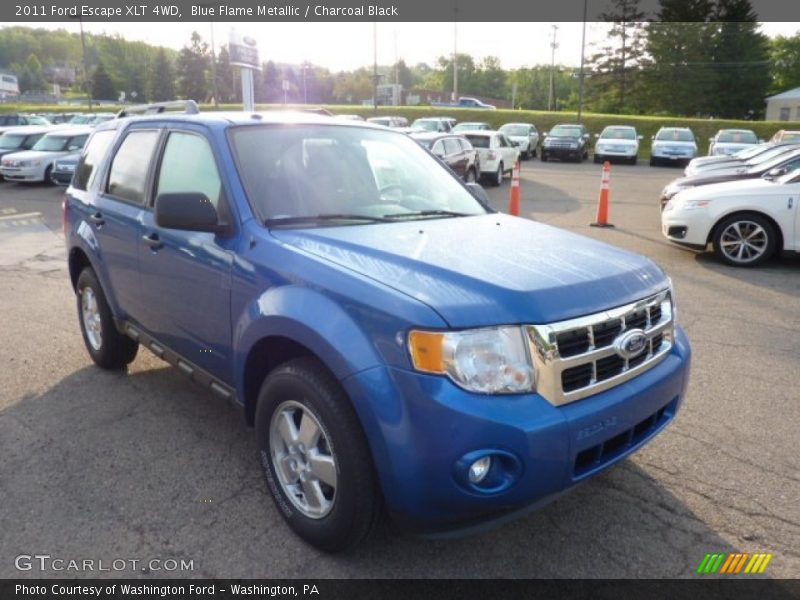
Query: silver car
[[524, 135], [731, 141], [673, 145]]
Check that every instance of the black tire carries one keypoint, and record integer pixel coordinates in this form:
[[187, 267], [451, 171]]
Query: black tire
[[653, 162], [543, 156], [533, 152], [115, 350], [764, 239], [585, 155], [597, 159], [634, 159], [497, 180], [47, 173], [356, 501]]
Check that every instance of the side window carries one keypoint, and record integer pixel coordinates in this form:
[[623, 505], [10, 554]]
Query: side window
[[77, 142], [501, 141], [438, 148], [127, 178], [451, 146], [188, 166], [465, 145], [86, 171]]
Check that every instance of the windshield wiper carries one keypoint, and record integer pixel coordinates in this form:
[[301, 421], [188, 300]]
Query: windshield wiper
[[426, 213], [294, 220]]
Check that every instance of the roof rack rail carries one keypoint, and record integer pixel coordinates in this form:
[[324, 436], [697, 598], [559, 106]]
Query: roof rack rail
[[189, 108]]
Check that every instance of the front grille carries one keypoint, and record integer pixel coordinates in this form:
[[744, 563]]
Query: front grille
[[600, 454], [579, 357]]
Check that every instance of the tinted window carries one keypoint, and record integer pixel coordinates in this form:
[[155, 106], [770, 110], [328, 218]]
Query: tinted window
[[188, 166], [465, 144], [451, 146], [675, 135], [9, 141], [438, 148], [520, 130], [77, 142], [737, 137], [566, 131], [129, 168], [86, 170], [618, 133], [478, 141]]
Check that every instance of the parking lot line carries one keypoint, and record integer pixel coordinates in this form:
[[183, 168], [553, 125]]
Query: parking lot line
[[20, 216]]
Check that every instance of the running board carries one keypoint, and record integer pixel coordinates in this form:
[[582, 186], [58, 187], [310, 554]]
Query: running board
[[183, 365]]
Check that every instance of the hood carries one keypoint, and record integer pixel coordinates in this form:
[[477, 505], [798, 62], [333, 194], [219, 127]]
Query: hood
[[749, 187], [33, 155], [563, 138], [713, 177], [618, 142], [488, 269], [674, 143]]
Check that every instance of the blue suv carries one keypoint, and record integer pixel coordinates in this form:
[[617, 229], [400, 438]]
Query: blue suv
[[400, 348]]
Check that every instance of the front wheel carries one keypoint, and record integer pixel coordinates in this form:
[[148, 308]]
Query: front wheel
[[744, 240], [498, 176], [315, 457], [108, 348]]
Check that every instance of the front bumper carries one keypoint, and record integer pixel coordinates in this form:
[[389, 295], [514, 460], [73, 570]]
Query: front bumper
[[562, 152], [420, 426], [688, 228], [22, 173]]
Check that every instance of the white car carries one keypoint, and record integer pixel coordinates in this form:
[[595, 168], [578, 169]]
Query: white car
[[36, 164], [753, 155], [617, 141], [497, 154], [745, 221], [731, 141], [525, 135], [673, 145]]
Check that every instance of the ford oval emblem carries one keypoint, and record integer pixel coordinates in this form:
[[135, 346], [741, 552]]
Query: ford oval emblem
[[630, 344]]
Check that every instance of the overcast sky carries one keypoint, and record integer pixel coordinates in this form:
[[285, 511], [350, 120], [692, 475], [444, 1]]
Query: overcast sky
[[346, 46]]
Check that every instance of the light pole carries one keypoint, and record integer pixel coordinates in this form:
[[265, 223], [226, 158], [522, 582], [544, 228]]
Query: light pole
[[85, 65], [455, 51], [214, 68], [375, 67], [583, 51], [553, 45]]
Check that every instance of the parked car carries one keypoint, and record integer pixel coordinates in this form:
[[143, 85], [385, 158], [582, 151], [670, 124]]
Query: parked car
[[435, 124], [389, 121], [782, 136], [36, 164], [58, 118], [774, 167], [730, 141], [617, 141], [567, 141], [455, 151], [8, 121], [497, 154], [673, 145], [64, 168], [472, 126], [705, 162], [350, 117], [17, 139], [525, 135], [91, 118], [465, 102], [400, 348], [746, 222]]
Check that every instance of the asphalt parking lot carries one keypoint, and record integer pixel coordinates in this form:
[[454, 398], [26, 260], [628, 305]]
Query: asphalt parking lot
[[145, 464]]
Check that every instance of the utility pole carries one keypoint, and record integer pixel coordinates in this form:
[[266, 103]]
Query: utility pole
[[396, 63], [583, 52], [86, 66], [455, 52], [553, 45], [375, 67], [214, 68]]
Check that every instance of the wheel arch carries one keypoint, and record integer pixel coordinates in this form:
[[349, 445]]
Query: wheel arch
[[779, 242]]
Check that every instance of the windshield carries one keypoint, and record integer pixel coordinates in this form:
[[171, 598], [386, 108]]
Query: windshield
[[735, 136], [11, 142], [323, 170], [521, 130], [751, 151], [426, 124], [790, 136], [771, 153], [767, 165], [479, 141], [618, 133], [566, 131], [675, 135], [470, 126], [52, 143], [80, 119]]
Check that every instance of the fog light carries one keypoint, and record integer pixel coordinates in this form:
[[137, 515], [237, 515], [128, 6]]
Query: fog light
[[480, 469]]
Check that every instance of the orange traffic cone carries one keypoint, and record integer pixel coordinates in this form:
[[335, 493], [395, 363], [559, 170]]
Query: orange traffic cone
[[514, 207], [602, 202]]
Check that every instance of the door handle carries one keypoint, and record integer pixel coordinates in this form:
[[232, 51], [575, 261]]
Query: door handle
[[153, 241], [97, 218]]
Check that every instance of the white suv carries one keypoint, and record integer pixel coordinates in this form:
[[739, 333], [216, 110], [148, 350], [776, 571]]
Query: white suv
[[673, 145]]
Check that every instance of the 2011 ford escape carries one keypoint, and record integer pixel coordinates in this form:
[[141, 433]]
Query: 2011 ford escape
[[399, 347]]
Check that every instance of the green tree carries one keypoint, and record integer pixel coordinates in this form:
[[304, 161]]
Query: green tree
[[785, 60], [404, 75], [227, 90], [612, 86], [161, 80], [102, 84], [193, 67], [33, 75]]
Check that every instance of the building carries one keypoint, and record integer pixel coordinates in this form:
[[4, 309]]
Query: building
[[784, 106], [8, 85]]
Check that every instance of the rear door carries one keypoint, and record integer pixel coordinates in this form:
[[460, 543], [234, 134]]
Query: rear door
[[186, 275], [455, 156]]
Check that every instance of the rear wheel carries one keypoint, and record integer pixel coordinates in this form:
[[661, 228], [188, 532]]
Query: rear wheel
[[108, 348], [498, 176], [315, 457], [653, 162], [47, 174], [744, 240], [634, 159], [543, 156]]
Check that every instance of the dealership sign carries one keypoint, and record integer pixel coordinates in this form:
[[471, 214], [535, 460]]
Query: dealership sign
[[243, 51]]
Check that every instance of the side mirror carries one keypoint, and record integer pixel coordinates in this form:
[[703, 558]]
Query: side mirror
[[479, 193], [190, 211]]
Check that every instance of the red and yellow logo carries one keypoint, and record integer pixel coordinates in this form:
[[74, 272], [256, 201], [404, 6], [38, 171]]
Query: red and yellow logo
[[734, 563]]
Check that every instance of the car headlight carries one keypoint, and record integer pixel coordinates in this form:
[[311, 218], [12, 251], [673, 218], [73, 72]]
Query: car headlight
[[573, 145], [693, 204], [486, 361]]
